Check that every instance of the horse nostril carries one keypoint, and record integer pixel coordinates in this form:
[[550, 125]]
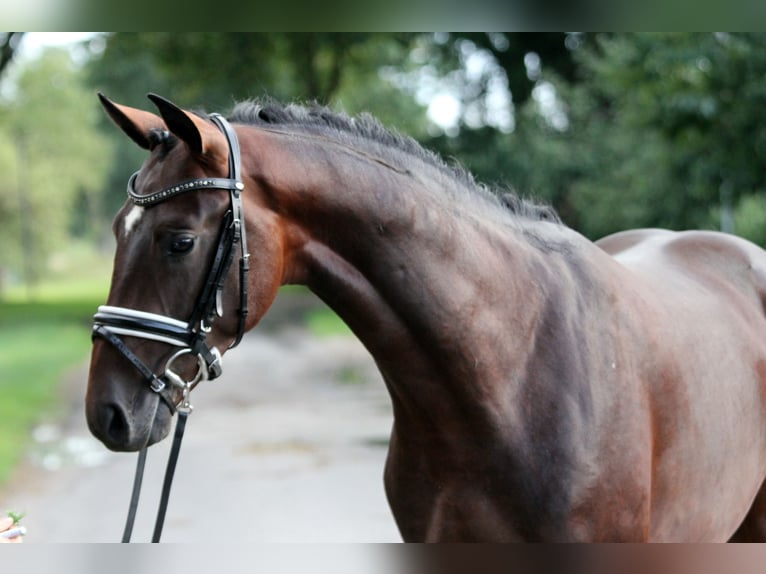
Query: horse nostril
[[115, 426]]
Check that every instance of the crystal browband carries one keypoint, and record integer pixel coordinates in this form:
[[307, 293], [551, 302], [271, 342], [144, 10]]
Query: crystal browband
[[183, 187]]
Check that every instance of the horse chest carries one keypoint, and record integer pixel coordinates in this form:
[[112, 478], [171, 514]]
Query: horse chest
[[471, 494]]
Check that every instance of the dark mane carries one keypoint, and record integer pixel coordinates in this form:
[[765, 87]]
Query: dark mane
[[319, 119]]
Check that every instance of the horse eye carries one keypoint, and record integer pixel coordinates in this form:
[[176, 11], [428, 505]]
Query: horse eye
[[181, 244]]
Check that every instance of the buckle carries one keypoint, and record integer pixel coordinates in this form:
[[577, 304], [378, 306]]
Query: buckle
[[156, 384], [177, 381]]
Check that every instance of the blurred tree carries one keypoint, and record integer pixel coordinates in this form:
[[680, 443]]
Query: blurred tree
[[352, 71], [215, 70], [616, 130], [50, 155], [499, 132], [668, 126], [9, 41], [520, 57], [646, 130]]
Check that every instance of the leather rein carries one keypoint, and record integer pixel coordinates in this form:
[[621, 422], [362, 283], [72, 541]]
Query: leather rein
[[111, 323]]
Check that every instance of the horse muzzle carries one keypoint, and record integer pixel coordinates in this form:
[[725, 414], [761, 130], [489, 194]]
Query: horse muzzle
[[125, 426], [113, 424]]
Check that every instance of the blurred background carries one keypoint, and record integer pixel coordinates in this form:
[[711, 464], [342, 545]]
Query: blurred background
[[614, 130]]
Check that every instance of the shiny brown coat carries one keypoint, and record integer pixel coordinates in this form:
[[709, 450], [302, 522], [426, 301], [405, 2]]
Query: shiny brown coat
[[544, 388]]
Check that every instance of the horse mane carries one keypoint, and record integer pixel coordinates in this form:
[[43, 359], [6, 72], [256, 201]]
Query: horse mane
[[320, 119]]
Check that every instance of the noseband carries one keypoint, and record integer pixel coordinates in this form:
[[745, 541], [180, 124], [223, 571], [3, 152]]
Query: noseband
[[110, 323], [190, 337]]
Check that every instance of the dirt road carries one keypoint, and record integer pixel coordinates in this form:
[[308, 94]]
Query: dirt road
[[288, 446]]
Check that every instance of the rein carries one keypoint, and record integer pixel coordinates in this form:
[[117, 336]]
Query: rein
[[110, 323]]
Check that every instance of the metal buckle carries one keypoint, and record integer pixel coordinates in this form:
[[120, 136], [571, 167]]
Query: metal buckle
[[157, 385], [186, 386], [185, 406]]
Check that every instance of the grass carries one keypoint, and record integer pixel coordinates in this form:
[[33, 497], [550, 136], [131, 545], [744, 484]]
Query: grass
[[320, 320], [40, 340], [323, 322], [33, 359]]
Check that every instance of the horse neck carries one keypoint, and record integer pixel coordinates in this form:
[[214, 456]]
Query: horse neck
[[418, 276]]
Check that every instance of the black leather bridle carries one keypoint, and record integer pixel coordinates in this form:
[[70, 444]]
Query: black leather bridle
[[111, 323]]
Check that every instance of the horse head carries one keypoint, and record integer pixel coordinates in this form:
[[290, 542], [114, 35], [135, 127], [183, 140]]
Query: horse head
[[176, 303]]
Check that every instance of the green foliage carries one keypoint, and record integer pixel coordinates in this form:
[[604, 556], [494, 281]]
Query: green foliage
[[15, 516], [749, 217], [38, 342], [324, 322], [75, 272], [213, 70], [683, 114], [51, 155], [362, 87], [32, 389], [216, 69], [651, 130]]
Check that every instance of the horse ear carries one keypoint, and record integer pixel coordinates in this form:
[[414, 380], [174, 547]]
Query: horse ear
[[201, 136], [137, 124]]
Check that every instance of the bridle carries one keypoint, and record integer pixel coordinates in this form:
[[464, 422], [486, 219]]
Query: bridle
[[111, 323]]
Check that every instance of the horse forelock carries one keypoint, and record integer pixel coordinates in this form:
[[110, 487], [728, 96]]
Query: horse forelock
[[318, 119], [162, 140]]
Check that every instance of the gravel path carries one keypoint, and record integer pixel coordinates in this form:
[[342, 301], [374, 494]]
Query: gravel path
[[288, 446]]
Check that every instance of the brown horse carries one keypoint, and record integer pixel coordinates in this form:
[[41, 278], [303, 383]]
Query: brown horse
[[544, 388]]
